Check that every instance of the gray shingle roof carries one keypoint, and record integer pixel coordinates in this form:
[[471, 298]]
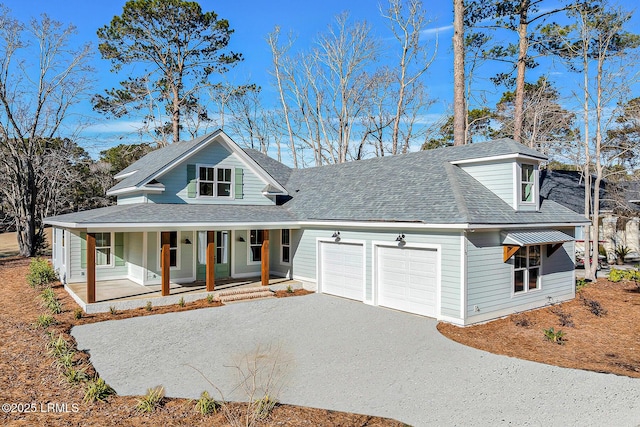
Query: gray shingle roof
[[414, 187], [420, 187], [151, 213], [156, 160], [278, 171]]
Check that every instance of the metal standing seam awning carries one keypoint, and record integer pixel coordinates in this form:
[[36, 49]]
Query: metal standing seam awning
[[513, 240]]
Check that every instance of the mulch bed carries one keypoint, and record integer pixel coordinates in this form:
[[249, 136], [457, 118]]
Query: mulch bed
[[608, 341], [31, 382]]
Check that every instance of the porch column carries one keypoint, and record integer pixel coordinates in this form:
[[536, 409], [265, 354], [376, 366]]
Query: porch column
[[91, 268], [264, 256], [211, 261], [165, 261]]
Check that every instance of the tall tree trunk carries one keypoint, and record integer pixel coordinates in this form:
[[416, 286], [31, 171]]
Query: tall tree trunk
[[459, 105], [523, 46]]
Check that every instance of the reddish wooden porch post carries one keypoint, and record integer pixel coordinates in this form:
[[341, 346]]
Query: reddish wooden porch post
[[165, 261], [91, 268], [264, 256], [211, 261]]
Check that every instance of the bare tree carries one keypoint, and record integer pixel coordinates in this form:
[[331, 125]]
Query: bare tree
[[35, 100], [407, 22], [598, 39]]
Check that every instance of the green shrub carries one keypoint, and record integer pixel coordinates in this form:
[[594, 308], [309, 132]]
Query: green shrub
[[616, 275], [181, 302], [113, 310], [41, 273], [210, 298], [554, 336], [77, 313], [66, 360], [44, 321], [149, 306], [50, 301], [150, 401], [206, 404], [97, 390]]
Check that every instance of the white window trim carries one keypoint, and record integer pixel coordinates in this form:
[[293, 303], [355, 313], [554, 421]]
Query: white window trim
[[111, 250], [215, 182], [249, 261], [178, 251], [526, 291], [534, 197], [283, 245]]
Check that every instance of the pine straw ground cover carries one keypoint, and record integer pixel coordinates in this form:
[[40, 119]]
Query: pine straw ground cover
[[601, 329], [30, 379]]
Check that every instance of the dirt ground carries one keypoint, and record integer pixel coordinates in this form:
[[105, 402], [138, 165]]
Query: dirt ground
[[608, 342], [33, 391]]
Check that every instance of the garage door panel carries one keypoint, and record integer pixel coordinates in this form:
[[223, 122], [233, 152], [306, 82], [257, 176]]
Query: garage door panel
[[341, 267], [407, 279]]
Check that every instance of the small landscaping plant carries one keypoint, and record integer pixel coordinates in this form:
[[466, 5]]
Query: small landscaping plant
[[521, 320], [181, 302], [50, 301], [113, 310], [77, 313], [563, 317], [75, 376], [44, 321], [150, 401], [149, 306], [595, 307], [581, 284], [57, 347], [264, 407], [556, 337], [290, 289], [40, 273], [97, 389], [210, 298], [206, 404]]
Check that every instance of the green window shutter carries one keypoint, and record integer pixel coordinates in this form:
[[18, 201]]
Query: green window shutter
[[191, 181], [83, 250], [119, 249], [238, 183]]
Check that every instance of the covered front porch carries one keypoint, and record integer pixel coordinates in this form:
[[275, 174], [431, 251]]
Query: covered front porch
[[125, 294]]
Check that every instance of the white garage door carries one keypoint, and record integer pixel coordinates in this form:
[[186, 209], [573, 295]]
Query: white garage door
[[407, 279], [341, 269]]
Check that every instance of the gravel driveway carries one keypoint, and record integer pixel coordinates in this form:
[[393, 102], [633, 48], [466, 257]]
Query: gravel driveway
[[348, 356]]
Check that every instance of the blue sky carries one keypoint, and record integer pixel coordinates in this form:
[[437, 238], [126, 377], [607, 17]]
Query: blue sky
[[252, 20]]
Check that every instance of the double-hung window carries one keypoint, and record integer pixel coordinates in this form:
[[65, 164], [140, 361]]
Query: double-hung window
[[286, 246], [256, 237], [104, 250], [214, 182], [527, 183], [526, 272]]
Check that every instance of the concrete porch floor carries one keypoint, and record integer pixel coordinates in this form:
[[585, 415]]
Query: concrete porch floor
[[123, 294]]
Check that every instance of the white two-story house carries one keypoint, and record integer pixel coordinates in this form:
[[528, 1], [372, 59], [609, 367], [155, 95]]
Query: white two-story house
[[460, 234]]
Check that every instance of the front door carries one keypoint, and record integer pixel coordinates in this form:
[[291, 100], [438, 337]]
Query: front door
[[223, 255]]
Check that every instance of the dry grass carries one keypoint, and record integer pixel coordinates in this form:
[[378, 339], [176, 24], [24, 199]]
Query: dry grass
[[9, 243]]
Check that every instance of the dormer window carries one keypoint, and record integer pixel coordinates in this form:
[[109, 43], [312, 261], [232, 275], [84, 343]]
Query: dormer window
[[527, 183], [214, 182]]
